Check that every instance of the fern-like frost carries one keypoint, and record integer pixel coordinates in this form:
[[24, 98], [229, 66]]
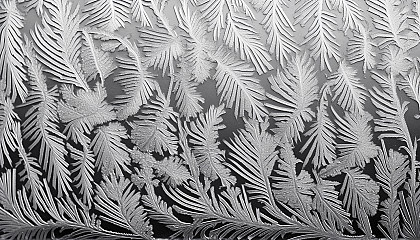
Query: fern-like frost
[[154, 131], [107, 14], [58, 43], [11, 50], [204, 133], [349, 92], [238, 87], [296, 89], [112, 154]]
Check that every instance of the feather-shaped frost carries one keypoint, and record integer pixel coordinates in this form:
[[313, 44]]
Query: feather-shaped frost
[[330, 207], [241, 36], [119, 203], [253, 156], [411, 83], [139, 12], [41, 126], [296, 89], [352, 14], [321, 32], [390, 18], [361, 48], [391, 170], [291, 187], [279, 28], [83, 168], [58, 43], [82, 111], [356, 147], [95, 61], [238, 87], [11, 51], [137, 83], [112, 154], [322, 134], [161, 49], [154, 131], [349, 92], [210, 158], [188, 99], [360, 193], [198, 46], [107, 14], [9, 125]]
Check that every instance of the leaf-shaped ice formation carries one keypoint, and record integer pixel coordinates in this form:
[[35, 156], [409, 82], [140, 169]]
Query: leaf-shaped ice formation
[[30, 174], [356, 147], [37, 4], [360, 193], [296, 89], [391, 122], [197, 44], [82, 111], [9, 125], [139, 12], [138, 83], [107, 14], [95, 61], [210, 158], [41, 126], [322, 134], [83, 168], [112, 154], [349, 92], [352, 14], [161, 49], [11, 50], [395, 61], [154, 131], [172, 170], [329, 206], [118, 201], [241, 36], [188, 99], [279, 28], [253, 156], [238, 87], [361, 48], [411, 83], [58, 43], [290, 187], [391, 171], [213, 12], [390, 19], [321, 34]]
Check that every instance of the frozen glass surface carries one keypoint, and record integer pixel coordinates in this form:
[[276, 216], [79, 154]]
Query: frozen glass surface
[[221, 119]]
